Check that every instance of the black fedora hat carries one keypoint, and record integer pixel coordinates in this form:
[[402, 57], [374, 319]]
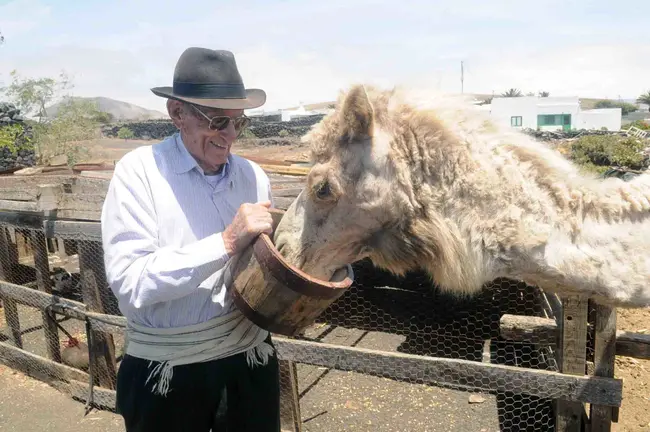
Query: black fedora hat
[[210, 78]]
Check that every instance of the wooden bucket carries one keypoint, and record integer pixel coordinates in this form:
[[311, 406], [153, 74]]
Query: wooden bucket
[[275, 295]]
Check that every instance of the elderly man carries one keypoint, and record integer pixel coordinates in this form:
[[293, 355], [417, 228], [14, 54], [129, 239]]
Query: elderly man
[[175, 214]]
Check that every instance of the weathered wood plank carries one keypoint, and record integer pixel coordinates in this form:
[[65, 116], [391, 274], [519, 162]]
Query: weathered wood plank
[[635, 345], [20, 206], [37, 366], [521, 328], [289, 397], [515, 328], [8, 258], [604, 359], [93, 281], [16, 194], [102, 397], [44, 283], [35, 298], [73, 230], [570, 414], [21, 220], [433, 370]]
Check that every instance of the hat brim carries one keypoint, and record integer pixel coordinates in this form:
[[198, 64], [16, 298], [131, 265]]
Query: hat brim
[[254, 99]]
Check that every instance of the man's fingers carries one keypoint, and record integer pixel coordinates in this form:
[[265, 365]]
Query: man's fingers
[[266, 203]]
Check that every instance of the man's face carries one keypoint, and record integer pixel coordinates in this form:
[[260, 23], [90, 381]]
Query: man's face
[[209, 147]]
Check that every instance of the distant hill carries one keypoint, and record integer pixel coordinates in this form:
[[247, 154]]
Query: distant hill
[[121, 111]]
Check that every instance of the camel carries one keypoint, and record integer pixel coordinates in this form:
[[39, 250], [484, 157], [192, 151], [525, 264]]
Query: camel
[[431, 183]]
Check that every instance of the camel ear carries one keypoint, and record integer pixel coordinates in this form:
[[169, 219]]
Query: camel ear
[[357, 115]]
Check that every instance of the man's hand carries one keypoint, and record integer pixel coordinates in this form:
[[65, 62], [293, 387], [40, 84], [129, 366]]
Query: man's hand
[[250, 221]]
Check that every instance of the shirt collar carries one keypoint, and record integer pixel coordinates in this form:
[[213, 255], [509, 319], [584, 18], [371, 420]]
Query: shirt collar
[[184, 162]]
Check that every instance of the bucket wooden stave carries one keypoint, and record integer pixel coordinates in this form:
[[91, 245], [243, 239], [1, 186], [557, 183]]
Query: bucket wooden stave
[[277, 296]]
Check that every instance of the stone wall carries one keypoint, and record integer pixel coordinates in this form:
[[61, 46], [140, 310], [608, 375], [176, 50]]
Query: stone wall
[[25, 156], [558, 135], [151, 129], [262, 128]]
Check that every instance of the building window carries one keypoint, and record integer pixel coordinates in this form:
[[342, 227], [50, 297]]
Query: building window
[[554, 120], [515, 121]]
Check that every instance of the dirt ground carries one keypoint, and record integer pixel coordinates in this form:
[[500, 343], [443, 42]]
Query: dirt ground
[[635, 409]]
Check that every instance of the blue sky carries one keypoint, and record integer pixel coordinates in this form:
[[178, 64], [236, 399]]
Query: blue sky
[[308, 50]]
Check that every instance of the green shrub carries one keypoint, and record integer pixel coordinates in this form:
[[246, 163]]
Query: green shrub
[[247, 134], [13, 137], [641, 124], [283, 133], [125, 133], [599, 152]]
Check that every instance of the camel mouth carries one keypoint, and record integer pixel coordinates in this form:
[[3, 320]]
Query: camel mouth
[[274, 263]]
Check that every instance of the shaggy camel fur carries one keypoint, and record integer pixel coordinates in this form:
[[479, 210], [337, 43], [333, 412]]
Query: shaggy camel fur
[[433, 184]]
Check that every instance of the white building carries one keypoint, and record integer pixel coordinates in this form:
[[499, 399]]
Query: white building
[[552, 113]]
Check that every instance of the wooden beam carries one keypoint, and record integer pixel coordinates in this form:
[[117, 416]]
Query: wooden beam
[[604, 357], [37, 366], [34, 298], [635, 345], [572, 345], [93, 283], [291, 419], [102, 397], [434, 370], [44, 282], [9, 257], [520, 327], [73, 230]]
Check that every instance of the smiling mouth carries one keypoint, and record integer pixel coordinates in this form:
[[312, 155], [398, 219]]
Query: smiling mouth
[[221, 146]]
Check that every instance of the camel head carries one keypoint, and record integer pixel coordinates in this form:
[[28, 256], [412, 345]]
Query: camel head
[[348, 199], [362, 198]]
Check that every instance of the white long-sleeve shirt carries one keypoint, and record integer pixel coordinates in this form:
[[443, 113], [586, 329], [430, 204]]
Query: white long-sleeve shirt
[[162, 223]]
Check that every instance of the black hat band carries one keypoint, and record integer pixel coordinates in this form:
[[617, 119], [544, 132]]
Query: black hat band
[[209, 90]]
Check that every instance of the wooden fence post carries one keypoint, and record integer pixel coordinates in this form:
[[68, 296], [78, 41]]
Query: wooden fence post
[[572, 349], [604, 358], [93, 280], [9, 257], [289, 397], [42, 265]]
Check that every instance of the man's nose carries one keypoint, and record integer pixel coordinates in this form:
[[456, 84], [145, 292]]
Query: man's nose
[[229, 131]]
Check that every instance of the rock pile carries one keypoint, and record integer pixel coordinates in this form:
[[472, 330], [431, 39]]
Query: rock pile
[[560, 135], [25, 156]]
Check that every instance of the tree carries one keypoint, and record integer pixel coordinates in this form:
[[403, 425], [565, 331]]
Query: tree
[[2, 39], [544, 94], [77, 121], [31, 95], [644, 99], [513, 92], [68, 133], [625, 107]]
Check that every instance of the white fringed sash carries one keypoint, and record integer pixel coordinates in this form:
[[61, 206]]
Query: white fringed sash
[[217, 338], [214, 339]]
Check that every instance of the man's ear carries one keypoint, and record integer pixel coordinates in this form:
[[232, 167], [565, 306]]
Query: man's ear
[[175, 111]]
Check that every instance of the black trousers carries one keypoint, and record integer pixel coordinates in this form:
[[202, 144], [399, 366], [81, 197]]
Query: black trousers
[[252, 397]]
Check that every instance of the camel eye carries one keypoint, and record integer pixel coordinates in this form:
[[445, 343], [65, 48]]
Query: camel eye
[[323, 190]]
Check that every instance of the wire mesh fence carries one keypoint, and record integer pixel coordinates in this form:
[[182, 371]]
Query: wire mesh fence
[[381, 313]]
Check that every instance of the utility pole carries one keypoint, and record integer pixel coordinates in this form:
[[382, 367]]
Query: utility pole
[[462, 78]]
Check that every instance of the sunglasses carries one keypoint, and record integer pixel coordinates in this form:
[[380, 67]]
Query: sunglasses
[[219, 123]]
